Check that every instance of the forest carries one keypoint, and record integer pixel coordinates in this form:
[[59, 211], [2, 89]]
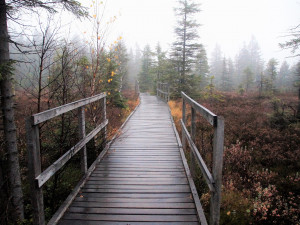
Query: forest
[[41, 68]]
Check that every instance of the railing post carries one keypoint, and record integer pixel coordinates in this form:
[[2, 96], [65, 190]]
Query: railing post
[[81, 124], [34, 169], [104, 117], [193, 136], [157, 89], [217, 166], [184, 122]]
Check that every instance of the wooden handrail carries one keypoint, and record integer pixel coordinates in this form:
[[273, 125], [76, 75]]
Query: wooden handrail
[[214, 179], [207, 114], [37, 177], [51, 113], [163, 91]]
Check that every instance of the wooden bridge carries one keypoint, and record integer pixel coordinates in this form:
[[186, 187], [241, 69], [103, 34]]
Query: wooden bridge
[[141, 177]]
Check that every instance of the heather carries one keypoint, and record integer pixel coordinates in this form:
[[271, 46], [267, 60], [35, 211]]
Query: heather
[[261, 157]]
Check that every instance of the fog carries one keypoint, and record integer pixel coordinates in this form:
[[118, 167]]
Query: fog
[[228, 23]]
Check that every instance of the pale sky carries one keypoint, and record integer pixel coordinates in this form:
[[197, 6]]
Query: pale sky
[[229, 23]]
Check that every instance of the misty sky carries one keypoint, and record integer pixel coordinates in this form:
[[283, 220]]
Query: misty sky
[[229, 23]]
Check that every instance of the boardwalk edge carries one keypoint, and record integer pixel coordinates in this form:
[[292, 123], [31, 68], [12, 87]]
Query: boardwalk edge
[[200, 212]]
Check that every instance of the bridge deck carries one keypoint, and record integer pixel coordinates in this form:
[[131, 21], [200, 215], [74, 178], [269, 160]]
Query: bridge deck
[[142, 179]]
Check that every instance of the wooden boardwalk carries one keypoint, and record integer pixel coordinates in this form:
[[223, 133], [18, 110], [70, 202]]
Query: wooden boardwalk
[[142, 179]]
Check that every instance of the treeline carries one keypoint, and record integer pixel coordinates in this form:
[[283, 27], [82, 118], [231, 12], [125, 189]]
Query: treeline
[[186, 66], [247, 73]]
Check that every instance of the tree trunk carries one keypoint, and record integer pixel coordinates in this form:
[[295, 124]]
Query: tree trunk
[[7, 102]]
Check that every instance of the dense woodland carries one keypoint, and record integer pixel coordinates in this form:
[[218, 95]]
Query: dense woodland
[[258, 98]]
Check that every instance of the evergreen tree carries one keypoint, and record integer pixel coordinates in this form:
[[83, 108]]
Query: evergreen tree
[[284, 79], [224, 76], [242, 62], [216, 65], [161, 69], [255, 61], [271, 74], [248, 78], [185, 47], [145, 79], [249, 57], [202, 68], [231, 73]]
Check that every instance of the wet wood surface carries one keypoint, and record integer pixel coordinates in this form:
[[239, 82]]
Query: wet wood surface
[[141, 180]]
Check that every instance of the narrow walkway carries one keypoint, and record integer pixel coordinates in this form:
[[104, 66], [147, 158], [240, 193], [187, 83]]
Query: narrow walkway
[[141, 180]]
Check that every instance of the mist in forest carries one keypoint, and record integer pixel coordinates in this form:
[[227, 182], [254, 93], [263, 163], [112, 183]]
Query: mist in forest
[[240, 59]]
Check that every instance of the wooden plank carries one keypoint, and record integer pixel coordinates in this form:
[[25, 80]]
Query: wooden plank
[[132, 211], [139, 180], [207, 114], [90, 222], [51, 170], [94, 190], [141, 175], [82, 198], [140, 205], [143, 170], [133, 186], [132, 218], [137, 195]]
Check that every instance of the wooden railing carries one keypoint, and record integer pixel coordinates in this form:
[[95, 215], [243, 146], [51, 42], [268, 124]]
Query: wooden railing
[[37, 177], [163, 91], [214, 179]]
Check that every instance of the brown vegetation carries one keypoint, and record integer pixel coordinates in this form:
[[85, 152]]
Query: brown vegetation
[[261, 157]]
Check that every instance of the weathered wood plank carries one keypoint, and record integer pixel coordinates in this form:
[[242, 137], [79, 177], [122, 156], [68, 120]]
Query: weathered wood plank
[[140, 205], [137, 195], [90, 222], [133, 218], [178, 187], [132, 211], [83, 198]]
